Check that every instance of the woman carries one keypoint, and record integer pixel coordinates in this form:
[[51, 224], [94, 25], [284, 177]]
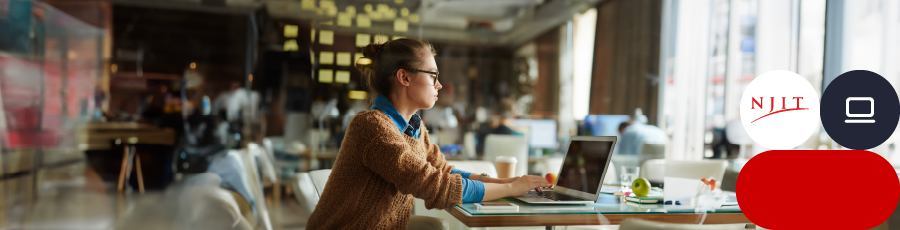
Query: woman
[[387, 159]]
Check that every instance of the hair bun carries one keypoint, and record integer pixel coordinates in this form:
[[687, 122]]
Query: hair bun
[[372, 50]]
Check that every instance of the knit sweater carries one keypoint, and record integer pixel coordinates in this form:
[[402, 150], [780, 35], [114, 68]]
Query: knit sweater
[[378, 173]]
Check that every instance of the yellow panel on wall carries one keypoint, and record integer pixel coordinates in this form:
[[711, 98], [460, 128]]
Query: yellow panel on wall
[[343, 19], [343, 58], [362, 40], [363, 21], [342, 76], [351, 10], [326, 75], [291, 45], [358, 95], [326, 58], [291, 31], [401, 25], [308, 4], [326, 37]]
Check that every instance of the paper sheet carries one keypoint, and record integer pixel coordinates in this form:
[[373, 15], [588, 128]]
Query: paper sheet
[[681, 189]]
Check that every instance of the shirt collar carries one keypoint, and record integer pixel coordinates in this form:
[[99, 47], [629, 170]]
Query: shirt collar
[[383, 104]]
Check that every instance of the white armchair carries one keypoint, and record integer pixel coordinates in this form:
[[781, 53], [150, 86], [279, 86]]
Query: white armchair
[[309, 188]]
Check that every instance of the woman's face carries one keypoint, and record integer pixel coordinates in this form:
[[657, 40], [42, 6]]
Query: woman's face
[[423, 89]]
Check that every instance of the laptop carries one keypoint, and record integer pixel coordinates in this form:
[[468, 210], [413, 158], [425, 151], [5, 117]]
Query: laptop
[[581, 174]]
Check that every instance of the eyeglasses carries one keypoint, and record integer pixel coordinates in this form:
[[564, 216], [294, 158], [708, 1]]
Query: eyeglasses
[[435, 74]]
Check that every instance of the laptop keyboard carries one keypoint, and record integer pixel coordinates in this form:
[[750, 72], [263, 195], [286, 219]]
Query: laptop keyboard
[[555, 196]]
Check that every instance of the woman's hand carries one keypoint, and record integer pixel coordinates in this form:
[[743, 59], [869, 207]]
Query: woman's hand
[[526, 183]]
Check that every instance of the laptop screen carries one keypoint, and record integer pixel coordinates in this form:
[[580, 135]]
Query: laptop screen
[[584, 165]]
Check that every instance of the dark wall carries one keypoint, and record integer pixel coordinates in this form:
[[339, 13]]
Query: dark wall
[[172, 39]]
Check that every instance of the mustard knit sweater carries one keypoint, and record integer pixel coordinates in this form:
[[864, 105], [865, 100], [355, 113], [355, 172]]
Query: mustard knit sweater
[[378, 172]]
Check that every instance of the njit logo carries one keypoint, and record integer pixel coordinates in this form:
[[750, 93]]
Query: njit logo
[[780, 110], [759, 103]]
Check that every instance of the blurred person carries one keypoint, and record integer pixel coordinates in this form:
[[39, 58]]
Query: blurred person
[[154, 105], [238, 108], [638, 133], [624, 126], [230, 101], [386, 159], [500, 123]]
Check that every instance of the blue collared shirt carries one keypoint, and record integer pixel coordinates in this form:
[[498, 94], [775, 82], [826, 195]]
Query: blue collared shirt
[[473, 191], [410, 128]]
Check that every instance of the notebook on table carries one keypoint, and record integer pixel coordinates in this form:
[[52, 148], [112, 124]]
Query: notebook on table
[[645, 199]]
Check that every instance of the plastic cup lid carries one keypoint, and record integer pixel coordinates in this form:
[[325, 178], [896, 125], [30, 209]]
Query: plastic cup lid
[[506, 159]]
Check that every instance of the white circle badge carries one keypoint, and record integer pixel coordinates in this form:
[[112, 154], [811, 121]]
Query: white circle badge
[[780, 110]]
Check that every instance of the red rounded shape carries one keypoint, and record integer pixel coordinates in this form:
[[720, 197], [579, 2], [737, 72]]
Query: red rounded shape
[[818, 189]]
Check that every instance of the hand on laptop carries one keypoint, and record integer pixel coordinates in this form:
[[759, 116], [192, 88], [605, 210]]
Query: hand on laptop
[[526, 183]]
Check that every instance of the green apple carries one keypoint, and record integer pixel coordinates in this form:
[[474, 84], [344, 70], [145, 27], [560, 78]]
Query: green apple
[[640, 187]]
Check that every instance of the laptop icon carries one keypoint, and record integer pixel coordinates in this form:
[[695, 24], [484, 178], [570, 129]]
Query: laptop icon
[[581, 174], [860, 117]]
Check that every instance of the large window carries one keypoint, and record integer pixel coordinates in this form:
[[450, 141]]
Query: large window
[[863, 35], [713, 49]]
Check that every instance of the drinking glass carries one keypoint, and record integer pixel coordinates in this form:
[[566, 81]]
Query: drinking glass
[[629, 174]]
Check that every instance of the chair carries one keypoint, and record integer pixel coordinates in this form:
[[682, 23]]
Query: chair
[[611, 175], [696, 169], [254, 186], [265, 163], [469, 144], [654, 170], [639, 224], [319, 178], [447, 136], [508, 145], [305, 193], [652, 151]]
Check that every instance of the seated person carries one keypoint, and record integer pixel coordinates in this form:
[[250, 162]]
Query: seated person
[[500, 123], [634, 134], [387, 159]]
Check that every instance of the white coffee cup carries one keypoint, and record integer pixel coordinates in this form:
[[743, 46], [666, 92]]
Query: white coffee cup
[[506, 166]]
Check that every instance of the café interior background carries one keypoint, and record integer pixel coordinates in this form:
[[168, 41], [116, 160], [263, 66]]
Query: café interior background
[[65, 65]]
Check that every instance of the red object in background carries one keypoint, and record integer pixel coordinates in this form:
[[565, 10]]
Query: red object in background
[[28, 124], [818, 189]]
